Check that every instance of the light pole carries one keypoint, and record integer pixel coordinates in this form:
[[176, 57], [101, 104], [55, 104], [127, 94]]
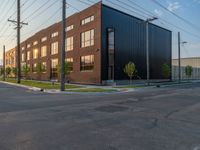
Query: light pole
[[147, 47], [179, 56]]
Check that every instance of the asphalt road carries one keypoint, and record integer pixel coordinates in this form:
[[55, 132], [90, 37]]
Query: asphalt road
[[151, 119]]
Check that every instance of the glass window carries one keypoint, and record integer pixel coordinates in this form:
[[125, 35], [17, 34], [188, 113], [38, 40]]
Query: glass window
[[35, 53], [28, 55], [54, 68], [35, 43], [34, 68], [23, 58], [29, 45], [43, 51], [54, 34], [87, 38], [71, 27], [23, 48], [87, 63], [69, 44], [70, 63], [44, 66], [87, 20], [54, 48], [43, 39]]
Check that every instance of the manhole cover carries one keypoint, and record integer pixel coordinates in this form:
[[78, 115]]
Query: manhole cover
[[111, 109]]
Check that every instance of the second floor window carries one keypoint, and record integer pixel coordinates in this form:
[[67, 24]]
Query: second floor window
[[69, 44], [54, 48], [87, 38], [43, 51]]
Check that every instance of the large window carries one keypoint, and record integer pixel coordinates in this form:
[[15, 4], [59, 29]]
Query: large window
[[54, 34], [87, 20], [87, 38], [44, 66], [87, 63], [28, 55], [70, 63], [34, 68], [54, 68], [69, 44], [54, 48], [35, 53], [43, 51]]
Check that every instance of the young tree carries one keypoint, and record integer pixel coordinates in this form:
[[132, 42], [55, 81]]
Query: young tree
[[130, 70], [66, 69], [14, 71], [166, 70], [25, 70], [8, 71], [40, 69], [188, 71]]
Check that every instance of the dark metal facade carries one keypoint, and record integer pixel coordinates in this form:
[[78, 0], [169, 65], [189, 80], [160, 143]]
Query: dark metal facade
[[130, 45]]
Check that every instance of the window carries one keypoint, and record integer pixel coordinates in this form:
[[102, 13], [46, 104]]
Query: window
[[23, 59], [87, 63], [34, 68], [54, 72], [44, 66], [54, 48], [87, 20], [29, 45], [54, 34], [35, 43], [35, 53], [69, 44], [43, 51], [23, 48], [87, 38], [43, 39], [71, 27], [28, 55], [70, 63]]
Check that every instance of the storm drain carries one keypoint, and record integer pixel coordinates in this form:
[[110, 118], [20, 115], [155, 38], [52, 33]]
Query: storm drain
[[111, 109]]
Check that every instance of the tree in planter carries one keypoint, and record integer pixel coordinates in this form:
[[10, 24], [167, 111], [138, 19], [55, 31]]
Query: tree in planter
[[14, 71], [25, 70], [8, 71], [130, 70], [66, 69], [166, 71], [188, 71], [40, 69]]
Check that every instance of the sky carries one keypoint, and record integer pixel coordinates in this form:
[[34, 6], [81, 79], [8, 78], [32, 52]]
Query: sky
[[41, 14]]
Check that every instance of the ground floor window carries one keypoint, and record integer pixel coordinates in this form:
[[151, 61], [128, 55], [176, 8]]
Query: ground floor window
[[44, 66], [54, 68], [70, 63], [87, 63], [34, 68]]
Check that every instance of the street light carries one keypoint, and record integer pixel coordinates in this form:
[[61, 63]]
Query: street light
[[147, 45]]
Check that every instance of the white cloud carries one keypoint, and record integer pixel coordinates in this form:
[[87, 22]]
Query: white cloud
[[173, 6], [158, 12]]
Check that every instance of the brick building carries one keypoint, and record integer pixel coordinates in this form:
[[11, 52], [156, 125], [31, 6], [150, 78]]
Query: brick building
[[100, 41]]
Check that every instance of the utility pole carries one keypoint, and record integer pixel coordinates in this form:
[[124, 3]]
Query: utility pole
[[18, 23], [147, 47], [4, 61], [179, 57], [62, 75]]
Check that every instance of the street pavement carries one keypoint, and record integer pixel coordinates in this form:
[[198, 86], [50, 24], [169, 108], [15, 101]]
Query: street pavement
[[149, 119]]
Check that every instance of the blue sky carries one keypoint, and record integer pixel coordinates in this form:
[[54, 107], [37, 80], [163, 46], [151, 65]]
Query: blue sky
[[51, 13]]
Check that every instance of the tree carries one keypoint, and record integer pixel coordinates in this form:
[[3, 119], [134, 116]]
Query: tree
[[14, 71], [25, 70], [130, 70], [39, 69], [8, 71], [166, 71], [66, 69], [188, 71]]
